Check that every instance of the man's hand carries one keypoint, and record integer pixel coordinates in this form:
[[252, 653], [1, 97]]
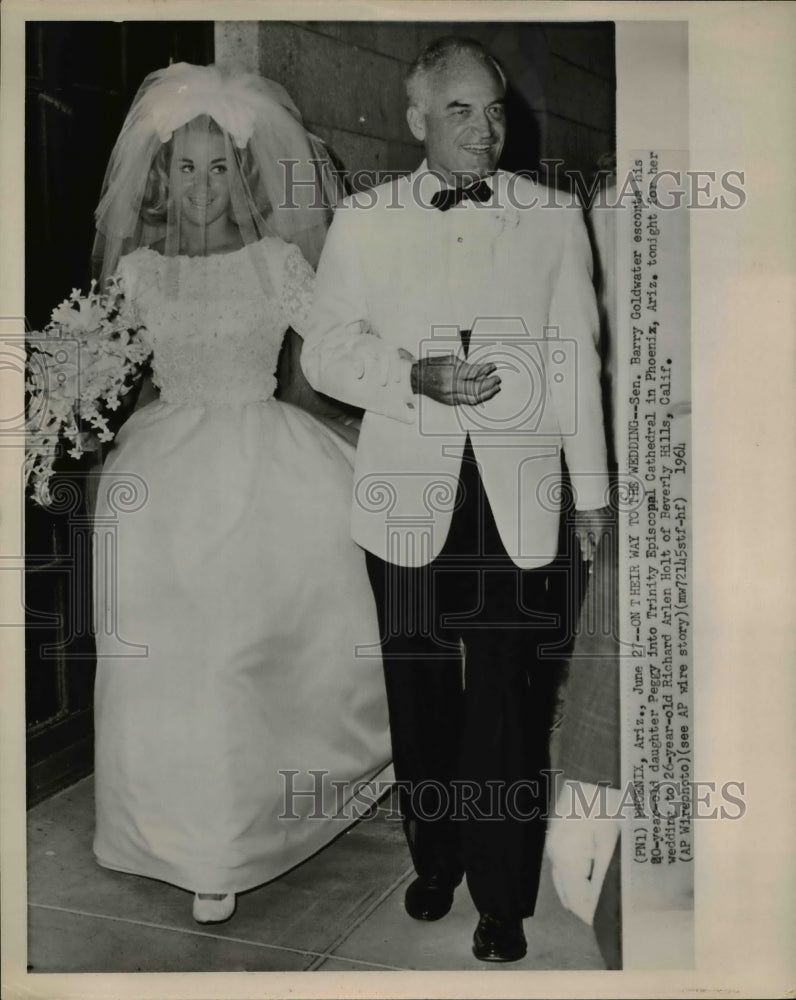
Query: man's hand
[[454, 382], [589, 527]]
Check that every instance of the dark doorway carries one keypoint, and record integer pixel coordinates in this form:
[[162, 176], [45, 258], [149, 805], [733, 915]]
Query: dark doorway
[[80, 79]]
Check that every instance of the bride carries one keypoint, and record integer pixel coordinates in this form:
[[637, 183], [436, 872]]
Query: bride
[[235, 623]]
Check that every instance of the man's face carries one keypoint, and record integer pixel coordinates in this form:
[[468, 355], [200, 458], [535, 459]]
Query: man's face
[[463, 125]]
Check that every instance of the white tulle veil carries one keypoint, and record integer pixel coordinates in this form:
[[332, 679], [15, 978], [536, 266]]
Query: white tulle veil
[[198, 140]]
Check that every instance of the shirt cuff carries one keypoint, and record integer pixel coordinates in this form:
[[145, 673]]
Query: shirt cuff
[[591, 490]]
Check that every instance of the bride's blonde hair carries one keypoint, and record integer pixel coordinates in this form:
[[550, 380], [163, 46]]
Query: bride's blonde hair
[[155, 202]]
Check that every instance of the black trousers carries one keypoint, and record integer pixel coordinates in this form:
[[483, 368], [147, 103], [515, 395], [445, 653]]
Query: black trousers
[[471, 741]]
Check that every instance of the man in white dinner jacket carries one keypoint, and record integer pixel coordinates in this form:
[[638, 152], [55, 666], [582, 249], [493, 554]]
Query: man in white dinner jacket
[[455, 307]]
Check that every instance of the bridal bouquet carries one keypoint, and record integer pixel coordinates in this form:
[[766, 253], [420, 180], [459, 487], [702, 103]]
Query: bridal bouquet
[[77, 370]]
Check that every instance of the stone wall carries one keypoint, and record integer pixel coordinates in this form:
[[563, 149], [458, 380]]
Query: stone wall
[[347, 79]]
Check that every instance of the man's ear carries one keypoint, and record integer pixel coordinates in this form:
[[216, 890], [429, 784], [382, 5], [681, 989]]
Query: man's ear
[[416, 120]]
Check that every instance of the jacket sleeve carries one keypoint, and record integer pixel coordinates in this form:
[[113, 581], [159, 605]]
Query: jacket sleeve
[[578, 397], [342, 356]]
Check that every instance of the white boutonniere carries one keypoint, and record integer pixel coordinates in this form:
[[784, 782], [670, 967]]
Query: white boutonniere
[[502, 220]]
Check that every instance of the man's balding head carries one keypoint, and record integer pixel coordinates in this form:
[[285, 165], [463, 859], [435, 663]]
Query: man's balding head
[[456, 91], [440, 56]]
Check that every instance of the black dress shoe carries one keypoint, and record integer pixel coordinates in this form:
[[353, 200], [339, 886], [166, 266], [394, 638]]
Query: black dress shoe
[[498, 940], [428, 899]]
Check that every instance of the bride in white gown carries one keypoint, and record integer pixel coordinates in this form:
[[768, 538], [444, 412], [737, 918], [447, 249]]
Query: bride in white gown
[[236, 632]]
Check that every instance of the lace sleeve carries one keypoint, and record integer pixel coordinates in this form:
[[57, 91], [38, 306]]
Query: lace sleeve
[[127, 278], [298, 281], [125, 275]]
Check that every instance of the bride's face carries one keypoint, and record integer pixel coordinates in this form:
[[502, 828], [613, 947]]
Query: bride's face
[[202, 177]]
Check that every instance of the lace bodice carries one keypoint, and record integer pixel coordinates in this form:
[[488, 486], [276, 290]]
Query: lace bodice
[[215, 324]]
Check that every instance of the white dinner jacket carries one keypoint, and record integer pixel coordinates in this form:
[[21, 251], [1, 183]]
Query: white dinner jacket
[[396, 273]]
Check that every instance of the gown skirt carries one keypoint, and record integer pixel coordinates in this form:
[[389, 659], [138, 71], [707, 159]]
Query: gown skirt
[[239, 699]]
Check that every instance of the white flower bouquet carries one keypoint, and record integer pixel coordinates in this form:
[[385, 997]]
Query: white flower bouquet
[[77, 370]]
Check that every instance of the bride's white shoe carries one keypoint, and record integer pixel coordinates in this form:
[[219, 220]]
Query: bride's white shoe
[[212, 908]]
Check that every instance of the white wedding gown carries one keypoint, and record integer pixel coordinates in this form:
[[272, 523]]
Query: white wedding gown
[[238, 649]]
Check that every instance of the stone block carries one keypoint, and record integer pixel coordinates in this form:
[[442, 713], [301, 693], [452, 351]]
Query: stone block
[[589, 45], [578, 94], [398, 39], [577, 145], [367, 160], [237, 45], [351, 89]]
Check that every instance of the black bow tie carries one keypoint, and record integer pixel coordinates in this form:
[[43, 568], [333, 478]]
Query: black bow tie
[[448, 197]]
